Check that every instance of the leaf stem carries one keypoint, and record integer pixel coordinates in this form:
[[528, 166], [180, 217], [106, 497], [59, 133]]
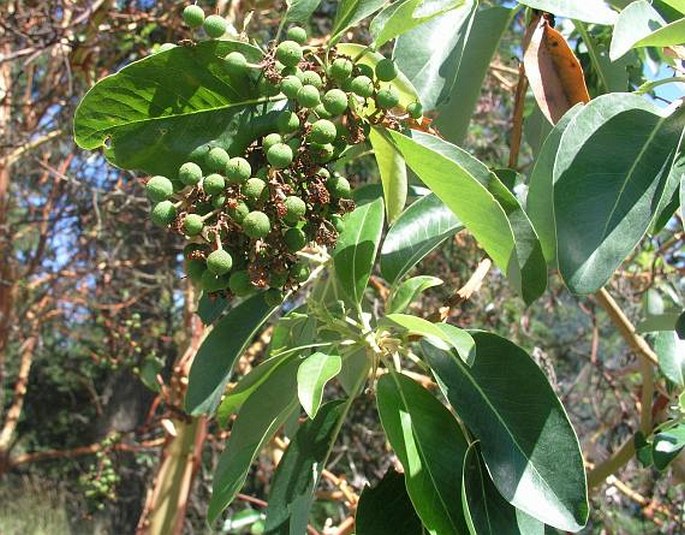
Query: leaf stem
[[609, 467], [648, 86]]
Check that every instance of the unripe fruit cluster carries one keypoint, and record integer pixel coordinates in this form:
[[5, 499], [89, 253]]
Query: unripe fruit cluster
[[248, 211]]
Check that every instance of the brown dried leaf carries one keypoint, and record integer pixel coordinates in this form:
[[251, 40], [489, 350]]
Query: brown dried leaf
[[553, 71]]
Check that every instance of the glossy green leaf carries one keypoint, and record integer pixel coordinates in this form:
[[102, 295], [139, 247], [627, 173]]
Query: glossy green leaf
[[298, 473], [393, 173], [667, 445], [350, 13], [486, 512], [612, 166], [403, 15], [355, 252], [300, 10], [210, 308], [596, 11], [524, 432], [212, 366], [431, 447], [409, 290], [421, 228], [454, 115], [678, 5], [483, 204], [445, 335], [297, 328], [155, 111], [671, 352], [356, 364], [657, 322], [312, 376], [636, 22], [386, 509], [540, 199], [259, 419], [430, 54]]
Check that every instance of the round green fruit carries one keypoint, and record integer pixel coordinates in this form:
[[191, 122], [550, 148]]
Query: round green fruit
[[280, 156], [337, 221], [294, 239], [288, 122], [289, 53], [365, 70], [238, 212], [321, 112], [323, 131], [219, 262], [362, 86], [341, 69], [271, 140], [236, 62], [267, 87], [290, 85], [322, 153], [163, 213], [254, 189], [195, 269], [256, 225], [273, 297], [415, 110], [240, 284], [308, 96], [193, 16], [238, 170], [295, 209], [217, 159], [335, 101], [190, 174], [323, 173], [339, 187], [300, 272], [311, 78], [218, 201], [386, 70], [297, 34], [159, 188], [213, 184], [193, 224], [215, 26], [387, 98], [277, 279]]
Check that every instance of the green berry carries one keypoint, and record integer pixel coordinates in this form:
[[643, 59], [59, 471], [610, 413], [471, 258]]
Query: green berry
[[308, 96], [215, 26], [341, 69], [278, 279], [335, 101], [190, 174], [294, 239], [217, 159], [213, 184], [218, 201], [195, 269], [323, 131], [338, 222], [236, 62], [295, 209], [289, 53], [262, 172], [193, 16], [291, 71], [219, 262], [240, 284], [163, 213], [287, 122], [300, 272], [212, 283], [365, 70], [321, 112], [311, 78], [294, 143], [323, 173], [387, 98], [159, 188], [193, 224], [290, 85], [338, 187], [254, 189], [238, 170], [322, 153], [415, 110], [362, 86], [256, 225], [297, 34], [238, 212], [271, 140], [386, 70], [280, 156], [273, 297]]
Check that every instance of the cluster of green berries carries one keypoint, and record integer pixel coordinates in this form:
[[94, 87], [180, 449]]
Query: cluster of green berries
[[248, 212]]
